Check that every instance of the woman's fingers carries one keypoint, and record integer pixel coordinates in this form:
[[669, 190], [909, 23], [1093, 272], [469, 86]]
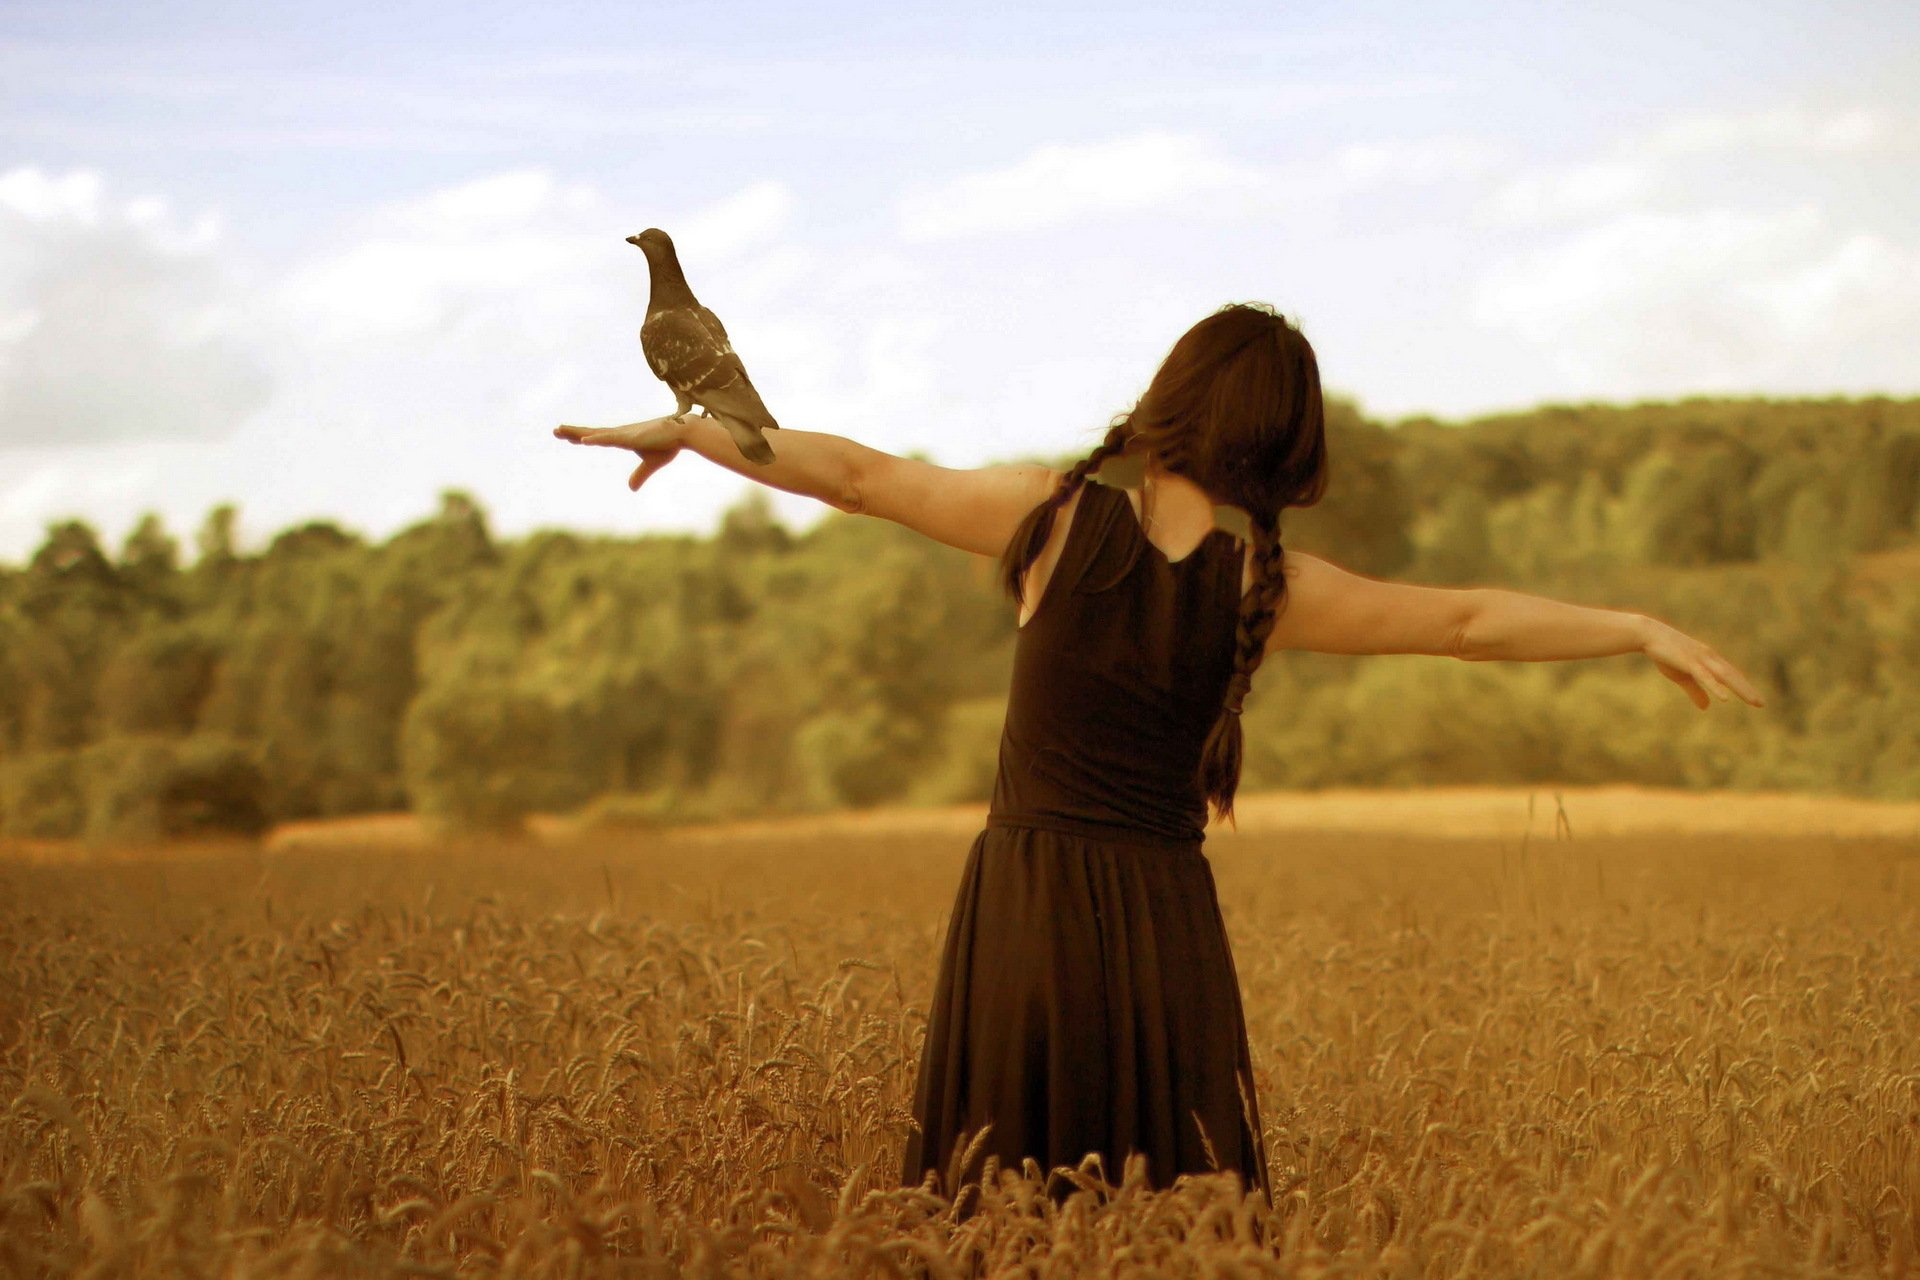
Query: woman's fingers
[[650, 461], [1726, 680], [1714, 684], [633, 435], [1737, 679], [1702, 671], [652, 440], [1685, 680]]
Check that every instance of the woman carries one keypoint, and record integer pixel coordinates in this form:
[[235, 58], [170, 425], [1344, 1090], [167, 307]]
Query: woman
[[1086, 1000]]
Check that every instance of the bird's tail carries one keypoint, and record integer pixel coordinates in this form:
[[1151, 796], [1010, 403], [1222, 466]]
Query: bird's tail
[[752, 444]]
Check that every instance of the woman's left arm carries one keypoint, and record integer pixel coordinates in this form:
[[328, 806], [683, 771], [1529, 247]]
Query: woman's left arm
[[976, 509], [1334, 610]]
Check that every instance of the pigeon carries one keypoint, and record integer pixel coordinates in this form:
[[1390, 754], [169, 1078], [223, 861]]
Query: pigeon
[[688, 349]]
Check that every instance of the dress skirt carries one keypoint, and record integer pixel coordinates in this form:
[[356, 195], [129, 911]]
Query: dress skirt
[[1086, 1003]]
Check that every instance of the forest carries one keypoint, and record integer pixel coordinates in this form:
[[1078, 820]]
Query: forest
[[150, 693]]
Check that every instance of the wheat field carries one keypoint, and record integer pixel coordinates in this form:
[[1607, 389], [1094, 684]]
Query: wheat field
[[650, 1054]]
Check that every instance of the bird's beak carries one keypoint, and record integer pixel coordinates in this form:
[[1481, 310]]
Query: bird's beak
[[635, 241]]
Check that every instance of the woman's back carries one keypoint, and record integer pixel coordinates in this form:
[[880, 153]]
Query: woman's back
[[1118, 676]]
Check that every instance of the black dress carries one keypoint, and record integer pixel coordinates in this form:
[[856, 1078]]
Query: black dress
[[1086, 998]]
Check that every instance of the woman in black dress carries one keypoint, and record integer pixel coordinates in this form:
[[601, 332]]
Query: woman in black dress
[[1086, 1001]]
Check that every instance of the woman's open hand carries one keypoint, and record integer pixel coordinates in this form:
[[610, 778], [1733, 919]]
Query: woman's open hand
[[657, 441], [1696, 667]]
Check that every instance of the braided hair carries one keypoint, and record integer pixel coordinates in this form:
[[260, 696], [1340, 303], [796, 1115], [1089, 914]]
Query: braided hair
[[1037, 527], [1236, 408], [1260, 608]]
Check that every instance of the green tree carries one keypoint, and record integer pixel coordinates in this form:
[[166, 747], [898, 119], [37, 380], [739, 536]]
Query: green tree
[[150, 558], [218, 538], [1364, 520], [480, 757], [156, 681], [1454, 545], [750, 526]]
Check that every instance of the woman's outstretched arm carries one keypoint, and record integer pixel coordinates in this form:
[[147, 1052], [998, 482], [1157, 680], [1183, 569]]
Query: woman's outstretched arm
[[976, 509], [1513, 626], [1333, 610]]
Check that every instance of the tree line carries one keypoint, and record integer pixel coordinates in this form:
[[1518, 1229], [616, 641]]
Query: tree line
[[147, 693]]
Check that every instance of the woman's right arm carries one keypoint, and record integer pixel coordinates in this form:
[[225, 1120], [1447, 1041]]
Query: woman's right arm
[[976, 509], [1333, 610]]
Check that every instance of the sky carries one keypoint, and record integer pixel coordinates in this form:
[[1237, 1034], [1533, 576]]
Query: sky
[[324, 261]]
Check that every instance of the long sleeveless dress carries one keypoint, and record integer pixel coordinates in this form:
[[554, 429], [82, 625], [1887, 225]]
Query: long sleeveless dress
[[1086, 998]]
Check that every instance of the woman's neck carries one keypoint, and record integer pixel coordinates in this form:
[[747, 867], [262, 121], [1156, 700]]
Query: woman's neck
[[1174, 508]]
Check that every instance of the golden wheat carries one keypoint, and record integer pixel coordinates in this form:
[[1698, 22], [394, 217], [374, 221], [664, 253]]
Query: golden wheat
[[674, 1057]]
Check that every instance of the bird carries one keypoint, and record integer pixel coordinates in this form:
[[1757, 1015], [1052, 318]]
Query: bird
[[688, 349]]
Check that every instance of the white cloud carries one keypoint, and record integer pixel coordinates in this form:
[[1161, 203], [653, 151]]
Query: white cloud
[[116, 321], [39, 491], [1572, 191], [1639, 166], [1650, 273], [1370, 166], [1057, 185], [1851, 131], [1185, 174], [41, 197], [1718, 300], [517, 250], [426, 265], [751, 219]]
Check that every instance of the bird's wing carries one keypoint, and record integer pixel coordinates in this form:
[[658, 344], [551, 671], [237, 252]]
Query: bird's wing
[[714, 327], [736, 397], [680, 350]]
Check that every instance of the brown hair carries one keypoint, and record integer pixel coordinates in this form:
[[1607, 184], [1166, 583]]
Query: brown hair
[[1235, 408]]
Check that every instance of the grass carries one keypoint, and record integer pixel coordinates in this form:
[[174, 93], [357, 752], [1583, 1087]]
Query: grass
[[662, 1055]]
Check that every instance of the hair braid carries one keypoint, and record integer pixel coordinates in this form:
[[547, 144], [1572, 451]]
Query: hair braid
[[1259, 609], [1037, 527]]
